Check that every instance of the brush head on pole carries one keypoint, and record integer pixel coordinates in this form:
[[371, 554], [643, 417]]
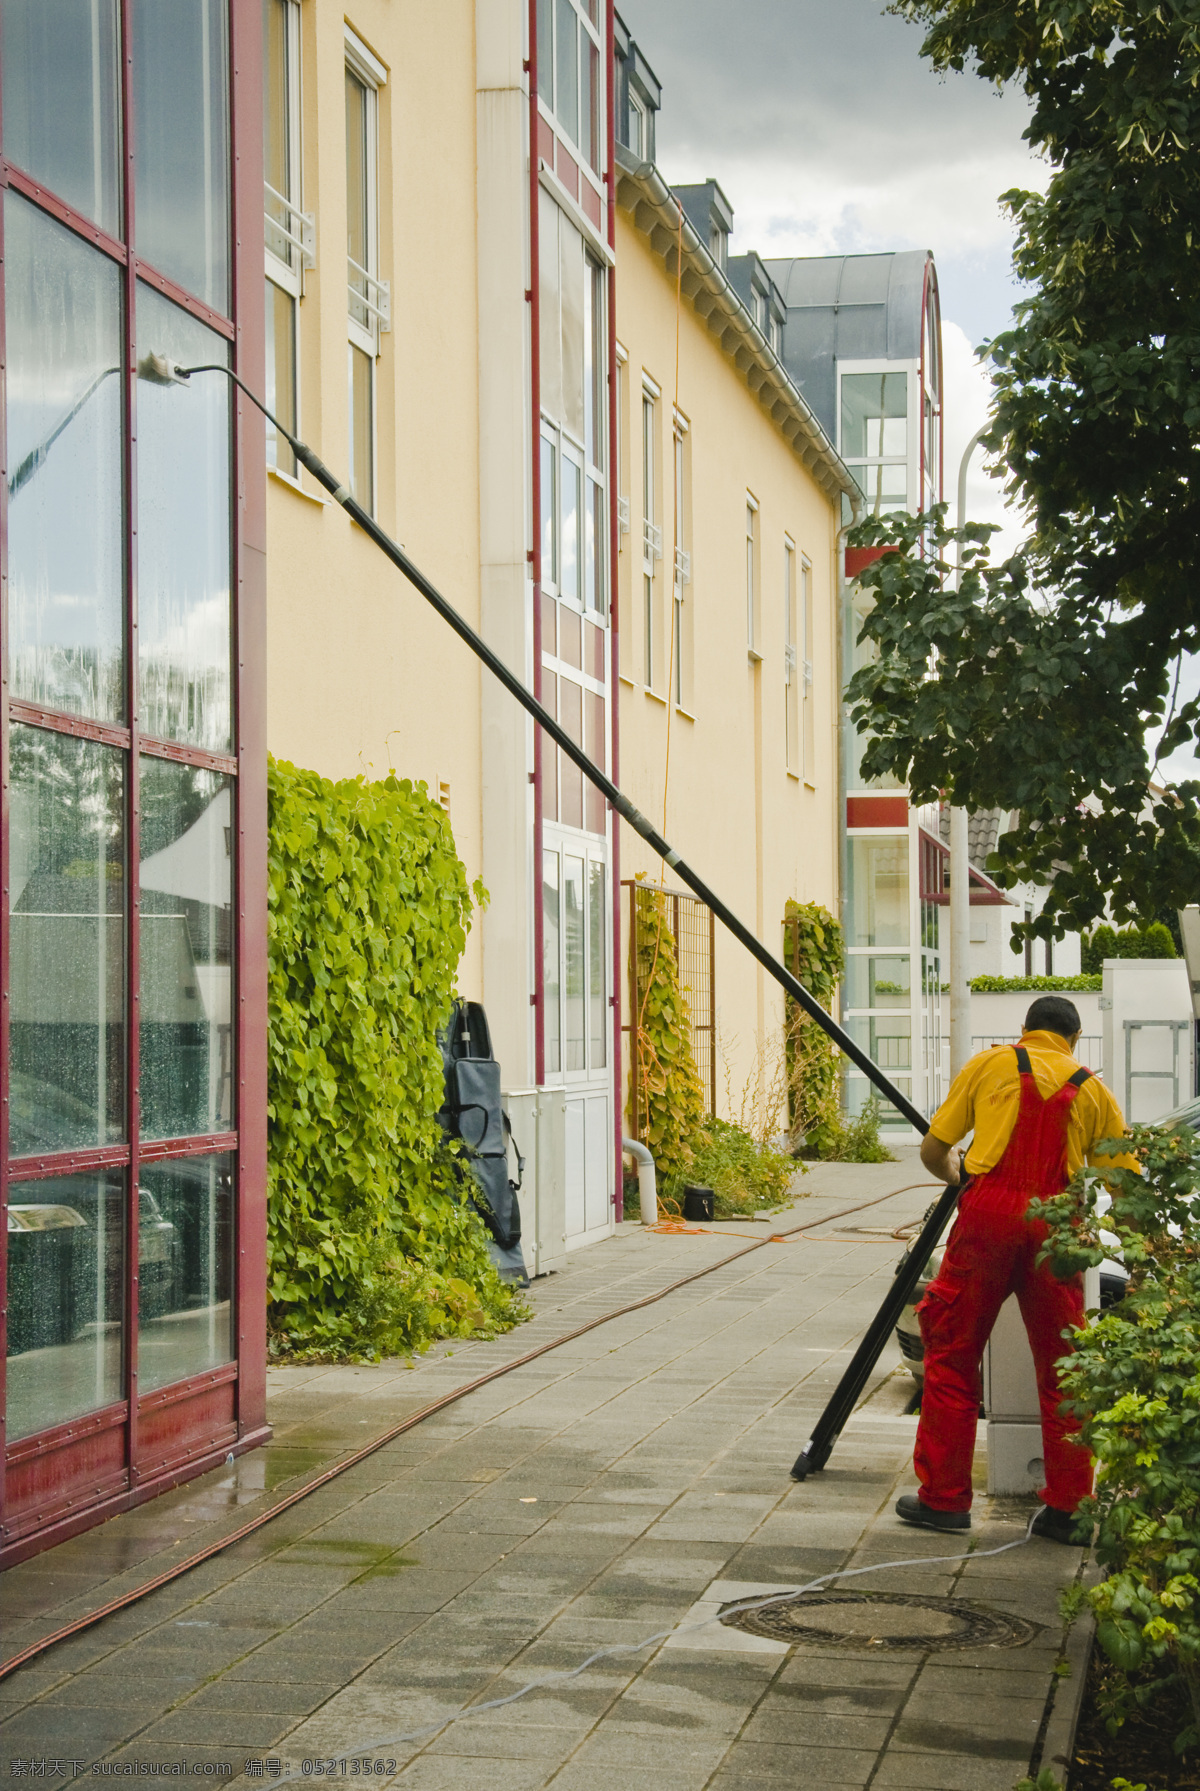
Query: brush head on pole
[[160, 370]]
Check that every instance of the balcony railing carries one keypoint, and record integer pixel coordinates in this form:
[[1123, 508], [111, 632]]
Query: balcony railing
[[290, 232], [370, 299]]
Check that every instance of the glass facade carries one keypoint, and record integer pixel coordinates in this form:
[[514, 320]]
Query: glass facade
[[889, 423], [121, 830]]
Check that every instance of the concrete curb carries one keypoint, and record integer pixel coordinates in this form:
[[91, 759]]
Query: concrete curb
[[1058, 1745]]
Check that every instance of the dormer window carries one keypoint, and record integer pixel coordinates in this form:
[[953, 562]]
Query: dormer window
[[638, 133], [718, 246], [761, 308]]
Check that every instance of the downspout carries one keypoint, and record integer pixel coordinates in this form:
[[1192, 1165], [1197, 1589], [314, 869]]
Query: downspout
[[647, 1188], [610, 183], [533, 297]]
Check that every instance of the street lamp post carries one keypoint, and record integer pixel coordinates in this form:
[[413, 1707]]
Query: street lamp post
[[960, 856]]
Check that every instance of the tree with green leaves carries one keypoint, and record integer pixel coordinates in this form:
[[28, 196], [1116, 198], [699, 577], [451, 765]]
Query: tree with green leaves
[[1049, 668]]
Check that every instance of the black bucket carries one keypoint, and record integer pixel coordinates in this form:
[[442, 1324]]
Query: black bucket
[[697, 1201]]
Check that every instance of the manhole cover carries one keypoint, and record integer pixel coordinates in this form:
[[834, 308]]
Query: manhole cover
[[883, 1620]]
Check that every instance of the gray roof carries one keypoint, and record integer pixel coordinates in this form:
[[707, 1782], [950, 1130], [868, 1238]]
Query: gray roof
[[849, 308], [983, 832]]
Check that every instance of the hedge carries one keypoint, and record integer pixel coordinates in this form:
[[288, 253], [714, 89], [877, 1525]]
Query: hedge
[[1033, 985]]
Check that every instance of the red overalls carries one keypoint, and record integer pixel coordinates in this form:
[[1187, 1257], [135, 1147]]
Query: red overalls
[[991, 1253]]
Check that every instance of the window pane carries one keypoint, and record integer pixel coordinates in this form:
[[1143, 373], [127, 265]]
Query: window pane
[[566, 86], [66, 942], [877, 875], [545, 51], [593, 146], [358, 239], [185, 1269], [573, 1005], [281, 374], [874, 414], [277, 136], [885, 487], [65, 529], [597, 991], [362, 430], [568, 573], [61, 108], [887, 1040], [571, 264], [551, 901], [185, 1012], [65, 1298], [878, 982], [183, 533], [549, 513], [180, 102], [549, 328]]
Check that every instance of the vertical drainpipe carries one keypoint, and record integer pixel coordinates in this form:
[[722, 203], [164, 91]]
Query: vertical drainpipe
[[610, 183], [538, 998]]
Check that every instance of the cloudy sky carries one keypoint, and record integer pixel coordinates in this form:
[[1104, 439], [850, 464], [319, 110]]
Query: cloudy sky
[[828, 132]]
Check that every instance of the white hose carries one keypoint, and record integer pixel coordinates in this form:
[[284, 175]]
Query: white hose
[[664, 1635]]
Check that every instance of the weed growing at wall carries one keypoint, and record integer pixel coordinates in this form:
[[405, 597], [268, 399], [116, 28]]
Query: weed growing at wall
[[813, 952], [670, 1100], [371, 1249]]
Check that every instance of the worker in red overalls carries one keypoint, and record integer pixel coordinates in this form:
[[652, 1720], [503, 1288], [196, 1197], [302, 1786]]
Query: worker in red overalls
[[1037, 1116]]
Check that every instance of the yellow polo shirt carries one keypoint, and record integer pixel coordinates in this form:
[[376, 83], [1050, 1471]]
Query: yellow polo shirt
[[985, 1095]]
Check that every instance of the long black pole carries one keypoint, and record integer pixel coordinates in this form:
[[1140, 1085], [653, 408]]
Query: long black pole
[[855, 1377]]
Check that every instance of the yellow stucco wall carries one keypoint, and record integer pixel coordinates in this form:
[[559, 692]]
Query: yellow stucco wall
[[759, 833], [361, 674]]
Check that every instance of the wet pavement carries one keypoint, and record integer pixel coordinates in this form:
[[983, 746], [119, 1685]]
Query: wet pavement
[[628, 1484]]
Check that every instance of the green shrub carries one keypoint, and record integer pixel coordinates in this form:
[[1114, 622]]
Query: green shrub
[[1134, 1381], [1033, 985], [813, 952], [745, 1176], [857, 1140], [669, 1098], [370, 1249], [1152, 941]]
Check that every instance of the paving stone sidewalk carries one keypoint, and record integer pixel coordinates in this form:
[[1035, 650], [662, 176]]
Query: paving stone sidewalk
[[629, 1483]]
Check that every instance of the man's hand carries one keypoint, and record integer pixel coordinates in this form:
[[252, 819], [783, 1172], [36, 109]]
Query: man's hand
[[942, 1160]]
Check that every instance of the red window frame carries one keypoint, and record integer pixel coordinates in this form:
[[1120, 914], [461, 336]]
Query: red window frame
[[58, 1481]]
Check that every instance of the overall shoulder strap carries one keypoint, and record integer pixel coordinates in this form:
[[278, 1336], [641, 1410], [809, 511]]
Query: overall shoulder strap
[[1023, 1063], [1079, 1078]]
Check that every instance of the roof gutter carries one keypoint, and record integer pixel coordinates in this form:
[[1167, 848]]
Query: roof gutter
[[643, 194]]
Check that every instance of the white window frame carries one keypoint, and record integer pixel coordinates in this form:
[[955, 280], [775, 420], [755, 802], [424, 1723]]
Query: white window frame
[[808, 712], [753, 577], [651, 529], [911, 459], [683, 557], [638, 110], [546, 88], [300, 231], [371, 73], [792, 675]]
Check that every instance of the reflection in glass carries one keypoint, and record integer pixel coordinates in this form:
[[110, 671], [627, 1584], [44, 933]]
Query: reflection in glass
[[568, 571], [877, 879], [886, 1040], [185, 1269], [545, 50], [884, 487], [278, 172], [874, 415], [185, 936], [878, 982], [183, 532], [362, 429], [281, 375], [549, 514], [573, 963], [550, 370], [571, 285], [551, 906], [859, 1091], [180, 103], [65, 1298], [597, 1004], [566, 84], [63, 322], [61, 107], [66, 943]]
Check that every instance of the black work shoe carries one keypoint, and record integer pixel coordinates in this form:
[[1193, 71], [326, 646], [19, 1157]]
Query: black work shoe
[[910, 1508], [1061, 1526]]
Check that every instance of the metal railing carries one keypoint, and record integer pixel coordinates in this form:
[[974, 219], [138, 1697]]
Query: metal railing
[[296, 229], [370, 298]]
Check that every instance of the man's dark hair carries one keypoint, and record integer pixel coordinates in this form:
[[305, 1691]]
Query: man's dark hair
[[1054, 1013]]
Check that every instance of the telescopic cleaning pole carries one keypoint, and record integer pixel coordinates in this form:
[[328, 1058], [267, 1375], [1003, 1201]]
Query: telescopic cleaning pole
[[816, 1452]]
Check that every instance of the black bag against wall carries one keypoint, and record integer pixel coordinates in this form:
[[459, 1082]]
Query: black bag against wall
[[471, 1111]]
